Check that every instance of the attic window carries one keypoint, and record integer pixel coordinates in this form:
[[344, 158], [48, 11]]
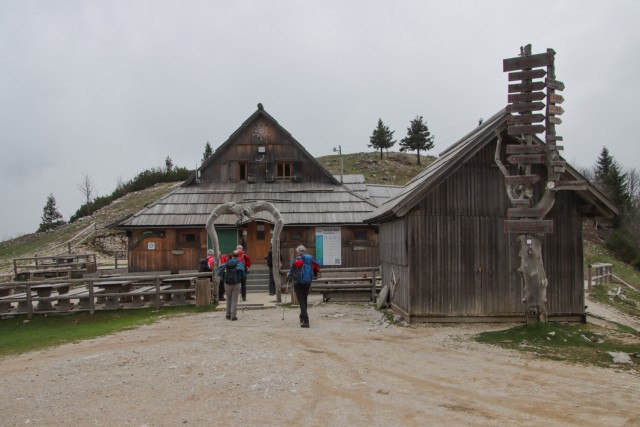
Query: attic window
[[284, 170]]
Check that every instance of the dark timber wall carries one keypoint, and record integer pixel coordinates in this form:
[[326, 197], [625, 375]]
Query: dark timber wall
[[455, 262]]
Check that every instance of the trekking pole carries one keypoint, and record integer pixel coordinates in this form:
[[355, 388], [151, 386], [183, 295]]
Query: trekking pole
[[285, 298]]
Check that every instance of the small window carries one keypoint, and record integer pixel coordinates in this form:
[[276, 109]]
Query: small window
[[260, 232], [189, 238], [243, 171], [360, 235], [296, 235], [284, 170]]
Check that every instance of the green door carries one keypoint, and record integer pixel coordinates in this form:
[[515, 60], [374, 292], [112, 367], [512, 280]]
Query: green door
[[227, 238]]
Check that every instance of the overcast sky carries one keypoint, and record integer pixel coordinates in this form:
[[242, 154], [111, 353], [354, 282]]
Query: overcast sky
[[110, 88]]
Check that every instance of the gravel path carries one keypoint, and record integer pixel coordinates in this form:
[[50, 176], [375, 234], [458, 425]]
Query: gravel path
[[350, 368]]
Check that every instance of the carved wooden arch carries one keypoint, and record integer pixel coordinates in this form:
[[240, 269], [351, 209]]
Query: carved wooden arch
[[241, 212]]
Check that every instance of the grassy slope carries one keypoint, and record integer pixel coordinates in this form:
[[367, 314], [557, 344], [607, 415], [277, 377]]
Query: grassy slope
[[40, 243], [393, 169]]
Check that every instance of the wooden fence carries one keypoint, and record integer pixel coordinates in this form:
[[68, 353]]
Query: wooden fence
[[342, 284], [40, 267], [599, 273], [90, 294]]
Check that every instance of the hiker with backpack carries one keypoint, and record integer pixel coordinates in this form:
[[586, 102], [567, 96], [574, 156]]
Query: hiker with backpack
[[301, 273], [232, 272], [223, 259], [244, 258], [206, 264]]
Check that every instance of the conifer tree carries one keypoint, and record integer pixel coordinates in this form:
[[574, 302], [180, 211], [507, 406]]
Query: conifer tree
[[612, 181], [208, 151], [418, 137], [51, 218], [382, 138]]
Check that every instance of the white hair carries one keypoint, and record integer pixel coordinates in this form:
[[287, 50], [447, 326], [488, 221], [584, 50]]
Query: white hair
[[300, 249]]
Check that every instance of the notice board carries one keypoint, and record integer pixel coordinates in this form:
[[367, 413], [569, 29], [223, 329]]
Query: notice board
[[328, 246]]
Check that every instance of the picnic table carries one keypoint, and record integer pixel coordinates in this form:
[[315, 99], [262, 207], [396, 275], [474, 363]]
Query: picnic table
[[45, 290], [113, 287], [178, 287]]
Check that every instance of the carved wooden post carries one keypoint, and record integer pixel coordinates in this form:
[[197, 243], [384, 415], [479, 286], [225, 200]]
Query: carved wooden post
[[526, 218]]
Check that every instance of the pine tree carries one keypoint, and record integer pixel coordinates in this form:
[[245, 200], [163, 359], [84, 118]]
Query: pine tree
[[418, 137], [612, 181], [208, 151], [51, 218], [382, 138], [168, 164]]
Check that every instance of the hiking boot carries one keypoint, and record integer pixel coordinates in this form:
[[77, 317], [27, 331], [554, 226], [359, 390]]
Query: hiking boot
[[228, 317], [304, 325], [234, 318], [222, 299], [244, 298]]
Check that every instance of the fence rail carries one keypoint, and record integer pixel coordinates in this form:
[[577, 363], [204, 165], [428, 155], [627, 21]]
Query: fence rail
[[599, 273], [91, 292]]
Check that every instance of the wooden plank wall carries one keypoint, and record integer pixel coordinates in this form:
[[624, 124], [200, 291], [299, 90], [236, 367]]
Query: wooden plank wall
[[461, 263], [394, 258], [279, 147], [163, 257]]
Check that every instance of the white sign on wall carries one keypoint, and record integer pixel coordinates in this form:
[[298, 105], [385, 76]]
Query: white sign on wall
[[151, 246], [328, 246]]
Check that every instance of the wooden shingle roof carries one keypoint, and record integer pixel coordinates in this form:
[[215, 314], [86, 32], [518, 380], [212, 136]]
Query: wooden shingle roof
[[299, 203]]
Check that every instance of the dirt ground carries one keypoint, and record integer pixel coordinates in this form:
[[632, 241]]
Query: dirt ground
[[350, 368]]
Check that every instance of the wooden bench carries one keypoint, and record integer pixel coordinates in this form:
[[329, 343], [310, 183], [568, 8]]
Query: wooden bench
[[345, 288], [84, 302], [20, 298], [148, 293]]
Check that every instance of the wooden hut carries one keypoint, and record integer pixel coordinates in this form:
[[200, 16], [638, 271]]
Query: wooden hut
[[442, 238], [260, 161]]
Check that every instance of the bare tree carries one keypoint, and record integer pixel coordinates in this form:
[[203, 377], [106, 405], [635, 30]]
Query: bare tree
[[86, 188]]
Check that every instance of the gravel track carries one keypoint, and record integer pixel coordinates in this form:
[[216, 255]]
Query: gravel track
[[350, 368]]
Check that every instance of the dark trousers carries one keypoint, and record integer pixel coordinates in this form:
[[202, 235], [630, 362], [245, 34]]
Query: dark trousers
[[221, 289], [243, 286], [272, 282], [302, 292]]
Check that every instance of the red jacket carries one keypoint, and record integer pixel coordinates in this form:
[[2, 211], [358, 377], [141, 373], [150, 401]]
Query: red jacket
[[244, 258]]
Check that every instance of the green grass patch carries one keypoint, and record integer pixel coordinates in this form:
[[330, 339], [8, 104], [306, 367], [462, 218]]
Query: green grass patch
[[574, 343], [19, 335], [594, 253], [620, 297]]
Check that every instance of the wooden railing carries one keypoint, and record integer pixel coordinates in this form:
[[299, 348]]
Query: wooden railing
[[53, 266], [120, 255], [599, 273], [344, 282], [115, 289]]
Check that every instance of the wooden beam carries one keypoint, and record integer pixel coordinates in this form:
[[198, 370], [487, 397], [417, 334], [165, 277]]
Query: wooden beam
[[525, 129], [525, 119], [527, 75], [519, 107], [521, 179], [528, 61], [525, 149], [519, 226], [525, 212], [526, 158]]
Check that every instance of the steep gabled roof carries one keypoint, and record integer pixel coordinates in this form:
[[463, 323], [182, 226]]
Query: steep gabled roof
[[455, 156], [259, 113]]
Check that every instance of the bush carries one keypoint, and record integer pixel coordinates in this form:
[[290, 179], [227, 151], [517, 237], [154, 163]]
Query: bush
[[142, 181], [621, 243]]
